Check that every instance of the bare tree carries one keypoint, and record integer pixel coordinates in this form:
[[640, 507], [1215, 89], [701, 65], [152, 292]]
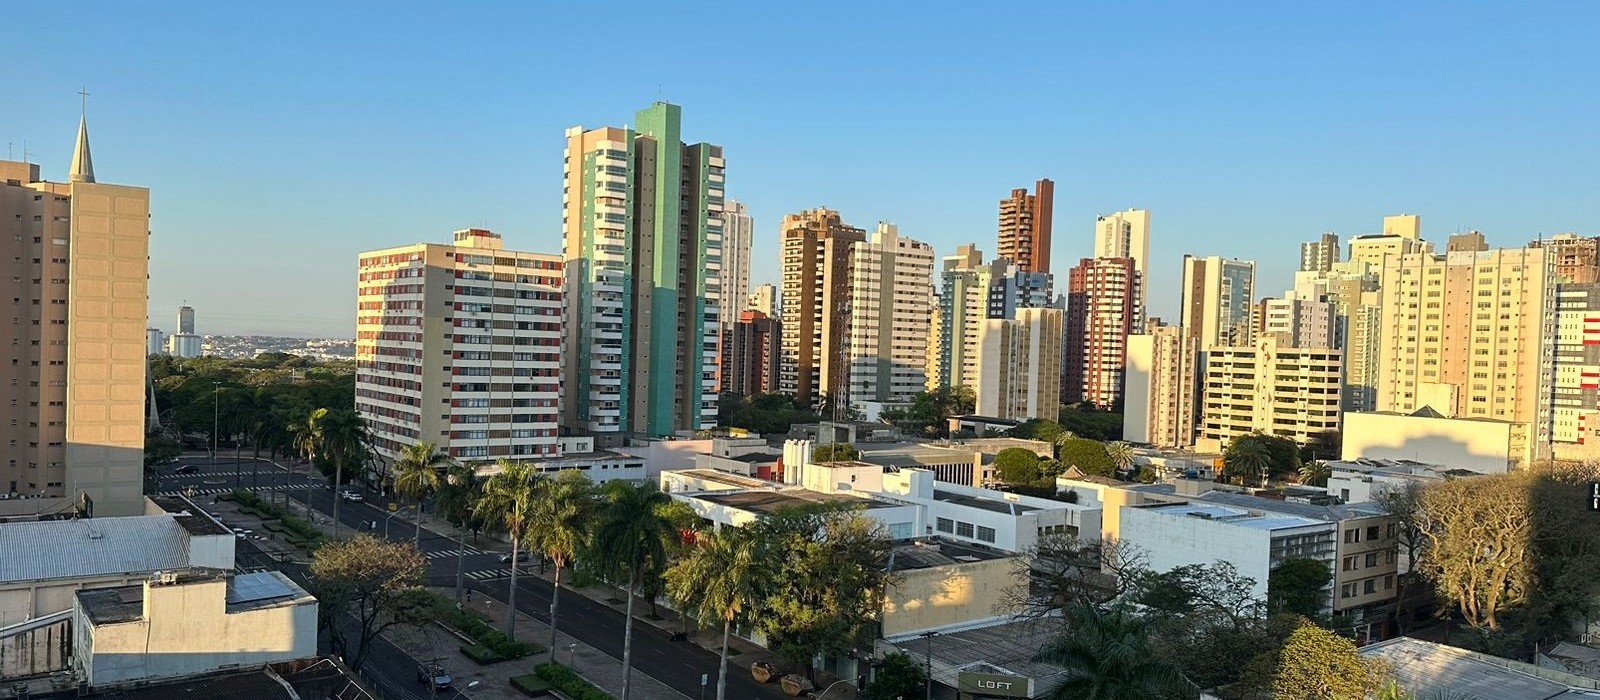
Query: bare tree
[[1059, 569]]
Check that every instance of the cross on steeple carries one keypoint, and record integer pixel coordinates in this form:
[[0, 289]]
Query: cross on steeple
[[83, 101]]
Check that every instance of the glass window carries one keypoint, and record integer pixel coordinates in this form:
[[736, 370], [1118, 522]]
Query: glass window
[[985, 534], [945, 525], [963, 529]]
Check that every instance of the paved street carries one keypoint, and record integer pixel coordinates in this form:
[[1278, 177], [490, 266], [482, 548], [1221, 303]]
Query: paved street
[[676, 664]]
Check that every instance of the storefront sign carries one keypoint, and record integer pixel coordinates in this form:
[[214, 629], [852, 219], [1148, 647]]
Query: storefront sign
[[995, 685]]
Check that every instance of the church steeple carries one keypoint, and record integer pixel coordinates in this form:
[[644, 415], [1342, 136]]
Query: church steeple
[[82, 164]]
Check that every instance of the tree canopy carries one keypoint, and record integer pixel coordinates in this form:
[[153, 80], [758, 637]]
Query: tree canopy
[[1298, 586], [1088, 456], [835, 452], [377, 582], [1017, 466]]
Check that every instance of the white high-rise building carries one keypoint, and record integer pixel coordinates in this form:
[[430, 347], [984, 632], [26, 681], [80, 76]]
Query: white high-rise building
[[1320, 255], [764, 298], [460, 345], [738, 230], [186, 319], [1217, 299], [1125, 234], [1270, 388], [889, 319], [1159, 400], [1303, 323], [1019, 365], [155, 343]]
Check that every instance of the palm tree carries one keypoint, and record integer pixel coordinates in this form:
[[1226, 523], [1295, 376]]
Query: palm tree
[[559, 528], [1121, 454], [508, 500], [722, 578], [344, 440], [631, 541], [1062, 440], [308, 441], [418, 473], [1315, 473], [1107, 657], [1249, 460], [457, 497]]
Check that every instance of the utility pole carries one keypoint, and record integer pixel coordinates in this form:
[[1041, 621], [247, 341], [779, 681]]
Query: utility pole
[[928, 682], [216, 416]]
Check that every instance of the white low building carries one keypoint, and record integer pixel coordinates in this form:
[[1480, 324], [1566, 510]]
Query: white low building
[[180, 625], [1254, 541], [1360, 480]]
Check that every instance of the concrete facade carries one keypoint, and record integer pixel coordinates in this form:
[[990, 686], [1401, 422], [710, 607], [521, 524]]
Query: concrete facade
[[1575, 410], [1217, 296], [816, 288], [751, 352], [1270, 388], [79, 255], [1576, 258], [1104, 306], [494, 316], [1019, 365], [738, 232], [1485, 446], [1321, 254], [1125, 234], [889, 320], [1159, 399], [1025, 227]]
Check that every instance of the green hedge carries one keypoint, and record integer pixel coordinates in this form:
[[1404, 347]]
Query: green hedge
[[480, 654], [473, 624], [298, 531], [569, 683], [531, 685]]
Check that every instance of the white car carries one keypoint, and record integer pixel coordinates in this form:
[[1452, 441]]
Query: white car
[[353, 497]]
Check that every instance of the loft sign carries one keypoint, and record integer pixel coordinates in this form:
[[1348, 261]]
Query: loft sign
[[995, 684]]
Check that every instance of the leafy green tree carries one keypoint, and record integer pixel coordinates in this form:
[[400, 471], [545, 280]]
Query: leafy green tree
[[1106, 655], [722, 578], [1247, 460], [1404, 503], [1121, 455], [1089, 422], [631, 543], [377, 582], [1316, 664], [1017, 466], [1088, 456], [763, 413], [1211, 589], [1298, 586], [1041, 429], [835, 452], [508, 501], [418, 473], [896, 677], [559, 524], [829, 585]]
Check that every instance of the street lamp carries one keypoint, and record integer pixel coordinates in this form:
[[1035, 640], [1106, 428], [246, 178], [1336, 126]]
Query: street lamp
[[216, 416], [572, 654], [831, 685], [386, 522], [928, 684]]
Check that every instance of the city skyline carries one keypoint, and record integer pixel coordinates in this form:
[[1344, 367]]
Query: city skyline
[[1234, 156]]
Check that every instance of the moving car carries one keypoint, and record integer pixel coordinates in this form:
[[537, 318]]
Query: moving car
[[434, 674], [185, 469], [352, 496]]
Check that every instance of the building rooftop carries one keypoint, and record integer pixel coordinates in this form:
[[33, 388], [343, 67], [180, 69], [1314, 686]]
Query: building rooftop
[[190, 516], [309, 678], [927, 555], [1330, 514], [97, 547], [108, 606], [1424, 667], [1004, 648], [993, 505], [264, 589], [769, 502], [721, 477], [1237, 517], [917, 454]]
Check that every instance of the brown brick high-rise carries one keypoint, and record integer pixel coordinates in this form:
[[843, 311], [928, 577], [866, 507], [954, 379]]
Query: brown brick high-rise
[[1025, 227]]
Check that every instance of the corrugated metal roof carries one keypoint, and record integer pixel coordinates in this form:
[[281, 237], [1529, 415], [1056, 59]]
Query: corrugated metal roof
[[78, 548]]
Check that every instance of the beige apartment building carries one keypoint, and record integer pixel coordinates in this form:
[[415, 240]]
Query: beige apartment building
[[816, 284], [1268, 387], [76, 255], [889, 320], [1217, 298], [1019, 365], [1470, 334], [1159, 400], [461, 345], [1126, 234]]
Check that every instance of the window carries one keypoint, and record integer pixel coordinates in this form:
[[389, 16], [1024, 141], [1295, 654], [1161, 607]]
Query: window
[[1349, 564], [945, 525], [1389, 531], [1372, 532], [963, 529], [1347, 590], [1369, 586], [1372, 559], [1352, 535], [1388, 582], [985, 534]]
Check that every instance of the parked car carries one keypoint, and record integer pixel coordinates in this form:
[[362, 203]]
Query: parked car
[[353, 496], [434, 674]]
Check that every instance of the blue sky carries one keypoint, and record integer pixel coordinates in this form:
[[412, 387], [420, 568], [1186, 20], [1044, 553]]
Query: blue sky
[[280, 139]]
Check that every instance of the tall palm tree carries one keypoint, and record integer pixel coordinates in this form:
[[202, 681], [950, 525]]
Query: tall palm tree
[[722, 578], [508, 501], [457, 496], [559, 528], [418, 472], [308, 442], [1315, 473], [630, 542], [1107, 657], [344, 440], [1121, 454], [1249, 460]]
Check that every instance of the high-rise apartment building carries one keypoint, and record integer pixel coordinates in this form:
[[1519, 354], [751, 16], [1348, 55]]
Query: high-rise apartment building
[[1469, 242], [184, 343], [764, 298], [1575, 413], [971, 292], [1470, 335], [888, 320], [1025, 221], [1019, 363], [186, 319], [461, 345], [738, 230], [1125, 234], [1301, 323], [1402, 235], [1577, 258], [1217, 297], [1352, 288], [1102, 311], [750, 354], [1403, 225], [643, 245], [1159, 400], [816, 290], [73, 427], [154, 342], [1268, 387], [1320, 255]]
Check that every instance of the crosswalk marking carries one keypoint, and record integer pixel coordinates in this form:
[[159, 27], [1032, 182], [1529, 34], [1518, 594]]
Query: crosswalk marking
[[213, 490], [492, 575], [451, 553]]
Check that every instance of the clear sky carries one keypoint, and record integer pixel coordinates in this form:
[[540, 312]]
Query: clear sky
[[280, 139]]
